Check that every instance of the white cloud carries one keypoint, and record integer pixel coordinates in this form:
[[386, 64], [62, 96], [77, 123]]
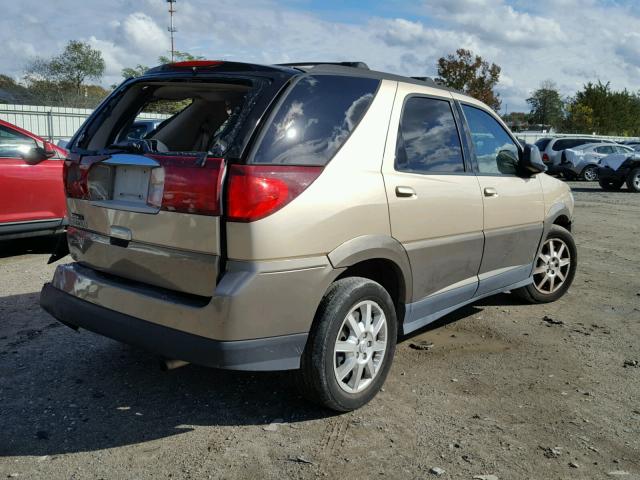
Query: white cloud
[[568, 41]]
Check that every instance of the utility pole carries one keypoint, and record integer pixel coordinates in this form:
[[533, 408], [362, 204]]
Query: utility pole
[[172, 29]]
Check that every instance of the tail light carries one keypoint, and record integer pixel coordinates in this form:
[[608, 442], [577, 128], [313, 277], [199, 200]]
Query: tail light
[[179, 184], [545, 158], [257, 191], [75, 179], [186, 187]]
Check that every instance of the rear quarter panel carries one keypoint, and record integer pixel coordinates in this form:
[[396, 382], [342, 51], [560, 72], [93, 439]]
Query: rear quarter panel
[[346, 201]]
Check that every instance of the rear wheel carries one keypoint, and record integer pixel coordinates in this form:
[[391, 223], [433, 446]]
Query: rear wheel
[[633, 180], [610, 185], [590, 173], [351, 345], [554, 268]]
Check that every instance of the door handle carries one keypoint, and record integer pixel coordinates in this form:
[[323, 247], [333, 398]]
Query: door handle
[[405, 192], [490, 192]]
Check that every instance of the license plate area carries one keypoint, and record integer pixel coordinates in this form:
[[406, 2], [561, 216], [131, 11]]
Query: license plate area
[[126, 182], [131, 184]]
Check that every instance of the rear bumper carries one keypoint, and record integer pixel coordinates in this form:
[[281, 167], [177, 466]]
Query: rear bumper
[[257, 319], [274, 353]]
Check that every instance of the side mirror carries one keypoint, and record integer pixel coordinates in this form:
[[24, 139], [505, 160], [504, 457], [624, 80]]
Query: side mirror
[[530, 161], [35, 155]]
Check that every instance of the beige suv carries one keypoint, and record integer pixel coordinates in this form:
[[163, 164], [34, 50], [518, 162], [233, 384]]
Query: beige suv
[[300, 217]]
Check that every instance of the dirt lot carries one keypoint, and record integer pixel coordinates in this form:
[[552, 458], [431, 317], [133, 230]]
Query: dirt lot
[[511, 390]]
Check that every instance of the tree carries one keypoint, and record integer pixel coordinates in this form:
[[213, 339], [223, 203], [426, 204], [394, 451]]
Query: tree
[[471, 74], [133, 72], [597, 108], [61, 79], [77, 63], [546, 105], [179, 57]]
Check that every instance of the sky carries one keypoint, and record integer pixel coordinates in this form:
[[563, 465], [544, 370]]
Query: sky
[[569, 42]]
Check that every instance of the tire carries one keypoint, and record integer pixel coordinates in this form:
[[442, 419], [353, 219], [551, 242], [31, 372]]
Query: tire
[[610, 185], [633, 180], [320, 363], [590, 173], [545, 288]]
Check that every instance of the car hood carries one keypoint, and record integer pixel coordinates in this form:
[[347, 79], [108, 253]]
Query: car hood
[[614, 160]]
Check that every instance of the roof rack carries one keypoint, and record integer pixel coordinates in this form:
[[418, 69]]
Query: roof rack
[[429, 80], [313, 64]]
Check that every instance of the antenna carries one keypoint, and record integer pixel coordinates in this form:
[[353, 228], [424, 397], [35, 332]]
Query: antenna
[[172, 29]]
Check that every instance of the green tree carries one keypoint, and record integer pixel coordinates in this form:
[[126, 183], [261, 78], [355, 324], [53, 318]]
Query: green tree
[[579, 118], [547, 107], [179, 56], [133, 72], [610, 112], [76, 64], [471, 74], [61, 79]]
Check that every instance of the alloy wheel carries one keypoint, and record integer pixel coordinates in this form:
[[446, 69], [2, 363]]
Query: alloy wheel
[[590, 174], [360, 347], [552, 266]]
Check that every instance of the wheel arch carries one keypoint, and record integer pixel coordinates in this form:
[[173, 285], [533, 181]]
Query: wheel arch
[[378, 257]]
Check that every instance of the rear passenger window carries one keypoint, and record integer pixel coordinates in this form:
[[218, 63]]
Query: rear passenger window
[[496, 153], [428, 140], [315, 120]]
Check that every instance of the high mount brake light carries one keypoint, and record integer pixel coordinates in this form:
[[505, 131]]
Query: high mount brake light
[[196, 64], [256, 191]]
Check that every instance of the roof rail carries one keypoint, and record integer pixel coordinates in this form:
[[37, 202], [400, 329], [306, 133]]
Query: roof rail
[[313, 64], [429, 80]]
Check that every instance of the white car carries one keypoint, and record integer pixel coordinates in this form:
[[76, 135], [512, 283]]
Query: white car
[[582, 161]]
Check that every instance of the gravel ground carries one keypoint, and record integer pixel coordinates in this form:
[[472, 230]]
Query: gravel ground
[[511, 390]]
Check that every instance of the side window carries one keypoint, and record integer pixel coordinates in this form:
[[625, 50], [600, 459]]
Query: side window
[[497, 154], [315, 120], [428, 140], [607, 149], [13, 144]]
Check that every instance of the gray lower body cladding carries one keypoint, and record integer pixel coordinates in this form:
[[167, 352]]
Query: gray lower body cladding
[[273, 353]]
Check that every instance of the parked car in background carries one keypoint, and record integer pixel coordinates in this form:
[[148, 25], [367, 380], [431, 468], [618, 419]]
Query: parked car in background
[[551, 150], [614, 170], [582, 161], [32, 200], [300, 218], [140, 128]]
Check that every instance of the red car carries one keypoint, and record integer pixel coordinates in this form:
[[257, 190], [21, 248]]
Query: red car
[[32, 199]]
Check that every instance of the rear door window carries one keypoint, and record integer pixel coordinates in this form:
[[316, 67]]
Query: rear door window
[[315, 120], [428, 140]]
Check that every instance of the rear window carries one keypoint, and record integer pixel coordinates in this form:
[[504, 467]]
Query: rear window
[[195, 117], [315, 119], [542, 143]]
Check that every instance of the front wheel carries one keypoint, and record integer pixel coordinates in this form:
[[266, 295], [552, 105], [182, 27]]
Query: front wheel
[[351, 345], [590, 173], [633, 180], [554, 268], [610, 185]]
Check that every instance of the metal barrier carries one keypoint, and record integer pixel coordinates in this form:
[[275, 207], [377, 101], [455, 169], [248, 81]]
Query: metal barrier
[[52, 123]]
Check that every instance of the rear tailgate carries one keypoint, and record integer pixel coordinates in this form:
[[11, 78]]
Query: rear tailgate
[[147, 218]]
